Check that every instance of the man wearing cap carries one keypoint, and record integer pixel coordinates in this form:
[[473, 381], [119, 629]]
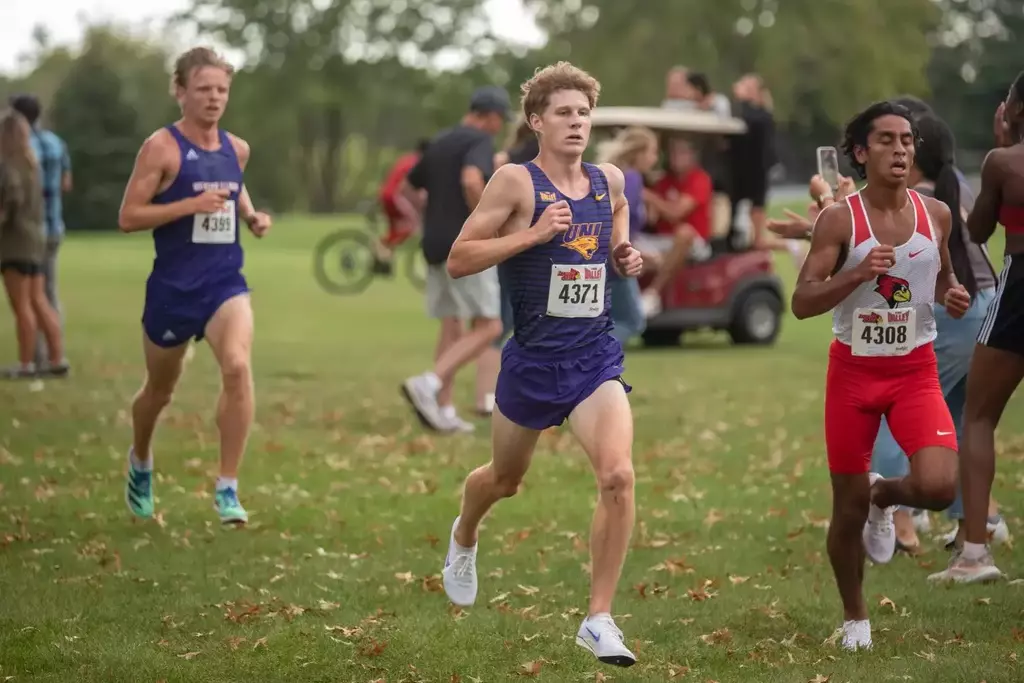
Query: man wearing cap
[[453, 171], [55, 177]]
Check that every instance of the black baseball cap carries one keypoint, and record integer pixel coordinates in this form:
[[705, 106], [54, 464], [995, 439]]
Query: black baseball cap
[[491, 99]]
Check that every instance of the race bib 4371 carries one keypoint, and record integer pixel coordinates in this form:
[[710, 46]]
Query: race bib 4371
[[576, 291]]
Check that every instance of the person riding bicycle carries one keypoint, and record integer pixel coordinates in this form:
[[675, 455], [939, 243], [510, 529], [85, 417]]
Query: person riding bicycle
[[402, 214]]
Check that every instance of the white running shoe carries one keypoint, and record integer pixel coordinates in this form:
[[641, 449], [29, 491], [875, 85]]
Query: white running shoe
[[600, 635], [998, 532], [963, 570], [922, 522], [651, 303], [857, 635], [459, 573], [422, 396], [879, 534]]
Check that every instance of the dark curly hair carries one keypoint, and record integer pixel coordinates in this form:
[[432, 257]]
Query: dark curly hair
[[861, 125]]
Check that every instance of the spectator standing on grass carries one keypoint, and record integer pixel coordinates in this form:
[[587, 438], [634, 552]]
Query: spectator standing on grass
[[752, 155], [453, 171], [55, 177], [23, 248]]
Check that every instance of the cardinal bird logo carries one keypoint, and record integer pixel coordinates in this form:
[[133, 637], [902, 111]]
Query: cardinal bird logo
[[870, 318], [895, 290]]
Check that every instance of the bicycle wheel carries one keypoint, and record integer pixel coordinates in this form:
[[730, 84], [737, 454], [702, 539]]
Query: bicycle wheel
[[415, 265], [343, 262]]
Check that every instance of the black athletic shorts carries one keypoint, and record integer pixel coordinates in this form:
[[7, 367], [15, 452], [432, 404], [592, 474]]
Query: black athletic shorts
[[24, 267], [1003, 327]]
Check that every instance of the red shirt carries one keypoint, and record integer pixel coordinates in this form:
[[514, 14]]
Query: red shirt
[[697, 185], [401, 168]]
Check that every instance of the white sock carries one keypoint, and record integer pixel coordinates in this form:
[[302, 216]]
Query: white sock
[[433, 381], [138, 465], [488, 404], [227, 483], [599, 615], [448, 412], [974, 551]]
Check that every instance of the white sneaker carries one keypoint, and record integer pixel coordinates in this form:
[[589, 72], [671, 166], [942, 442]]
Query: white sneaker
[[454, 423], [922, 522], [857, 635], [422, 395], [963, 570], [879, 534], [459, 573], [600, 635], [998, 532], [651, 303]]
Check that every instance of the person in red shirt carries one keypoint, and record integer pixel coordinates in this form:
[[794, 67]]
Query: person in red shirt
[[402, 214], [681, 202]]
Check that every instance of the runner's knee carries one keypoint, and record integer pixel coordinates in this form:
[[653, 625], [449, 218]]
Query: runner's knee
[[616, 480], [507, 483], [235, 370], [937, 482]]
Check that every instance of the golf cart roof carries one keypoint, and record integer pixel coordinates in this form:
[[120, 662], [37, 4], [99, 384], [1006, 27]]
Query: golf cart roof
[[659, 119]]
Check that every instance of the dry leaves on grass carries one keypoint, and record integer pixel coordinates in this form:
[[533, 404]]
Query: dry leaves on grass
[[530, 668], [717, 637]]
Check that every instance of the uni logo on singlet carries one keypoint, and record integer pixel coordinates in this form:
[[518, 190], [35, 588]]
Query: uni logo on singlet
[[582, 238]]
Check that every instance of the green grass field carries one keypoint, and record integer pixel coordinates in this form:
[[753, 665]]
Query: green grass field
[[337, 578]]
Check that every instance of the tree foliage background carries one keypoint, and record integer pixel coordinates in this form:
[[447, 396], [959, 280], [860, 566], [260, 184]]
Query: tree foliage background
[[329, 93]]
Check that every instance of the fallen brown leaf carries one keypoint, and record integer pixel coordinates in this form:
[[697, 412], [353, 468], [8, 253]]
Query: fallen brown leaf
[[189, 655], [886, 602], [530, 668]]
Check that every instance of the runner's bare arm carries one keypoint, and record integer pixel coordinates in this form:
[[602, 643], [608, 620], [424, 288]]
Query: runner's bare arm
[[981, 222], [943, 222], [817, 289], [620, 206], [478, 246], [246, 211], [156, 161]]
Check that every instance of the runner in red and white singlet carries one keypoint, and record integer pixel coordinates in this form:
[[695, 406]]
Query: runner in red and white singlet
[[879, 260]]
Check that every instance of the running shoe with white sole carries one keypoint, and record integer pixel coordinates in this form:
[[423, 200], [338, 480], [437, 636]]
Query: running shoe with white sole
[[998, 532], [603, 638], [857, 635], [423, 398], [138, 491], [879, 534], [225, 502], [459, 573], [963, 570]]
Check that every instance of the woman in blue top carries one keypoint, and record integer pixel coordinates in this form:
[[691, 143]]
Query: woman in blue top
[[635, 152]]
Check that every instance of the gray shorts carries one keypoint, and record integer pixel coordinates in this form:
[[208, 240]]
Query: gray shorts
[[473, 296], [662, 244]]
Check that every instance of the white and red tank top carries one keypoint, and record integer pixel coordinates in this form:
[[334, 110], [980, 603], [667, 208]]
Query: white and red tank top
[[890, 315]]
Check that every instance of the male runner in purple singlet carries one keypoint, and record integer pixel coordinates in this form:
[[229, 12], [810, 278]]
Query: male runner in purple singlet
[[556, 225], [187, 188]]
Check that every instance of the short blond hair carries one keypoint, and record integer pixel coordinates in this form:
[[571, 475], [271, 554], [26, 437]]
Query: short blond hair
[[196, 58], [560, 76]]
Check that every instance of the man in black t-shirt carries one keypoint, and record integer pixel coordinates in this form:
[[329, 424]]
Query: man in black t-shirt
[[453, 171]]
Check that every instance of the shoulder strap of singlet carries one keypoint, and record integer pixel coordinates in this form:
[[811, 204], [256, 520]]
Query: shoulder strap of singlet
[[861, 226], [226, 146], [598, 181], [922, 218], [178, 137]]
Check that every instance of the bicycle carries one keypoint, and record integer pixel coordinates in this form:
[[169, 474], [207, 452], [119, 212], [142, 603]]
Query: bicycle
[[357, 261]]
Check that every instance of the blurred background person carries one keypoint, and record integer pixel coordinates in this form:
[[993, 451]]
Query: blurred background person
[[635, 151], [55, 179], [751, 157], [23, 250], [402, 211]]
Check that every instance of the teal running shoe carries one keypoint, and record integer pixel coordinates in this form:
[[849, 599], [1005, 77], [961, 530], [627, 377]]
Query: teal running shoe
[[139, 490], [225, 502]]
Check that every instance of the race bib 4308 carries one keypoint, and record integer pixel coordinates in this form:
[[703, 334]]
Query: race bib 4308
[[576, 291], [215, 228], [884, 332]]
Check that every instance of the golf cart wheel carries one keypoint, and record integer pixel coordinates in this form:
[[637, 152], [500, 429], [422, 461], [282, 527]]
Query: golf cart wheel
[[344, 262], [661, 338], [757, 318], [415, 265]]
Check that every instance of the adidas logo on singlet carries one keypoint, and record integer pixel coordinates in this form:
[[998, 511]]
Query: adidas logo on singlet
[[191, 156]]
